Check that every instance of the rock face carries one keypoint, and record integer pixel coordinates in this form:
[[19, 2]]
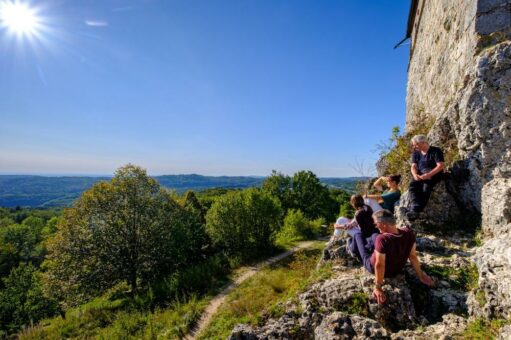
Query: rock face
[[460, 77], [441, 210]]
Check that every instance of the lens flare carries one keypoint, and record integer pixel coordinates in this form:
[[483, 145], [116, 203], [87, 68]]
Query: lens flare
[[18, 18]]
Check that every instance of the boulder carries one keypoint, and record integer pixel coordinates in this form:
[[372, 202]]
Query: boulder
[[493, 260], [440, 212], [340, 325], [449, 328]]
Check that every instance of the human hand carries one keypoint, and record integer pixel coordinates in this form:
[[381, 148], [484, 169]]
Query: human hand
[[348, 226], [379, 295], [428, 281], [425, 176]]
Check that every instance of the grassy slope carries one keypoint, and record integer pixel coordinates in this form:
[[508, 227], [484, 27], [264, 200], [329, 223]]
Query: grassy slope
[[261, 296]]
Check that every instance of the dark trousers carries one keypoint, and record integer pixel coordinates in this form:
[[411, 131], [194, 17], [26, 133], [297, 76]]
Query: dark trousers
[[420, 191], [363, 248]]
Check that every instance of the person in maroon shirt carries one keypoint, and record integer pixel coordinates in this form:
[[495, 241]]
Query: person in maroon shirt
[[393, 247]]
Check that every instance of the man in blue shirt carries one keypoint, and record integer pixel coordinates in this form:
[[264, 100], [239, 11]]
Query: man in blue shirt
[[427, 170]]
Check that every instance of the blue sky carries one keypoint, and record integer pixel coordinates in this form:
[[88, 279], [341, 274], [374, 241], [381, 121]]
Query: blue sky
[[210, 87]]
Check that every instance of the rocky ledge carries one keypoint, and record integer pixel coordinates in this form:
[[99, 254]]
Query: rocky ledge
[[343, 307]]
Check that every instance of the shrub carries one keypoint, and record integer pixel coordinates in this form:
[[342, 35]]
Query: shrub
[[244, 224], [22, 301], [296, 227]]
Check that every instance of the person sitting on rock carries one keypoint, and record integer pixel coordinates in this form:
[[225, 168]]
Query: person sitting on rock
[[362, 222], [427, 170], [362, 228], [387, 199], [393, 247]]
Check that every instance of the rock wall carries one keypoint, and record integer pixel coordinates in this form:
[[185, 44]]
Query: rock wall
[[460, 77]]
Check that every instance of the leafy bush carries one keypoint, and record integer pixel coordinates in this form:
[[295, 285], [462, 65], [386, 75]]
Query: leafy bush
[[244, 224], [298, 227], [22, 301]]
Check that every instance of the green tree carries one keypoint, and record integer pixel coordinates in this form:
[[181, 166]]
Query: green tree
[[18, 243], [244, 223], [310, 196], [129, 229], [280, 186], [22, 301], [342, 202]]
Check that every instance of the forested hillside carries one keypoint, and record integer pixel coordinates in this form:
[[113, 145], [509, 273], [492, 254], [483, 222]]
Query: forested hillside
[[130, 250], [42, 191]]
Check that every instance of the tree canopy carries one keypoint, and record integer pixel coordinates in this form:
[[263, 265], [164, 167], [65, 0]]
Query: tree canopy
[[128, 229]]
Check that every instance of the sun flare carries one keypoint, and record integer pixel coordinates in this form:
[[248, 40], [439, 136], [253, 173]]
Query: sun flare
[[18, 18]]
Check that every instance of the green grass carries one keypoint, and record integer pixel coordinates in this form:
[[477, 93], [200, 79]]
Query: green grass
[[358, 304], [168, 309], [480, 297], [262, 295], [104, 319], [481, 329], [465, 278]]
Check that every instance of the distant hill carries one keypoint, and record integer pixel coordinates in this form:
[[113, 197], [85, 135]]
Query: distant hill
[[43, 191]]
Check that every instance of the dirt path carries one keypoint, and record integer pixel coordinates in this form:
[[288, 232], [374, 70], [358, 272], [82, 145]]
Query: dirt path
[[219, 299]]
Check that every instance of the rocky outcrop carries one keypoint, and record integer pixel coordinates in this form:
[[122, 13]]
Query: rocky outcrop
[[343, 307], [441, 211], [460, 77]]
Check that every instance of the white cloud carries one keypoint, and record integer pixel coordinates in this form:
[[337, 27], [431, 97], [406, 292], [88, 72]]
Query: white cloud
[[96, 23]]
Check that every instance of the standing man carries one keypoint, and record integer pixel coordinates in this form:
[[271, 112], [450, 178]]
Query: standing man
[[427, 170]]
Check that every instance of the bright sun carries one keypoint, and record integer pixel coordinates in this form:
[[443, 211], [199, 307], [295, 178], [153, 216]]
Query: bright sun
[[18, 18]]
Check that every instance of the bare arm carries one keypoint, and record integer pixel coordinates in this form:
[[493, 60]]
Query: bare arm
[[377, 185], [413, 169], [379, 274], [414, 260]]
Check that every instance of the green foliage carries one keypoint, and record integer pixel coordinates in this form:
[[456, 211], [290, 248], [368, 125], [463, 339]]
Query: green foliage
[[18, 243], [196, 279], [22, 301], [482, 329], [297, 227], [358, 304], [108, 319], [128, 229], [167, 310], [311, 197], [244, 224], [304, 192], [465, 278], [480, 297], [397, 152]]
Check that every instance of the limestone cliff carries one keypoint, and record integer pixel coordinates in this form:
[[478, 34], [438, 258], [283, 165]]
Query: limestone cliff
[[460, 76]]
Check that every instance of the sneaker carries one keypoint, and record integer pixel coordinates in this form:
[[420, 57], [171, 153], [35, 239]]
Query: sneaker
[[348, 248]]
